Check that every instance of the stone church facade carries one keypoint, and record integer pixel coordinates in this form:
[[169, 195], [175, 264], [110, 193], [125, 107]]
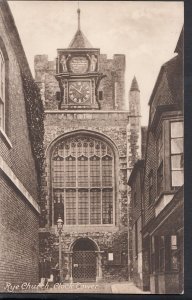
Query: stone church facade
[[91, 141]]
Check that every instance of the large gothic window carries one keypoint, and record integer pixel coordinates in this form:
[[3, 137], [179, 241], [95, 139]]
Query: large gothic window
[[83, 181]]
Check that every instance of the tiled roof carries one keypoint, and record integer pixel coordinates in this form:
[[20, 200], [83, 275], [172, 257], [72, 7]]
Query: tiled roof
[[80, 41], [174, 72], [179, 46]]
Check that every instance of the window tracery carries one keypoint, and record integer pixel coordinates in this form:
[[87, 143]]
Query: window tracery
[[83, 181]]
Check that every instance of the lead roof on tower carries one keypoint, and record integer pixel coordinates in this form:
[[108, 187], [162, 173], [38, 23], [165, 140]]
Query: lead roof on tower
[[134, 85], [79, 40]]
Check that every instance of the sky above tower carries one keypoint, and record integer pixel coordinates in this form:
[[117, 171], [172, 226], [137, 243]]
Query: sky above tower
[[145, 31]]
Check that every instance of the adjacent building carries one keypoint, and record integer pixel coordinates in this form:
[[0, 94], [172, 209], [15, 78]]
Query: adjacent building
[[91, 141], [21, 113], [160, 196], [135, 181]]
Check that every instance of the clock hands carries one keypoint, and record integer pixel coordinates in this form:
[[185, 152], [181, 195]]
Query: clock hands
[[79, 91]]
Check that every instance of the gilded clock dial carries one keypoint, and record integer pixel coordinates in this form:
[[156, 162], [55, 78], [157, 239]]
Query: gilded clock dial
[[79, 91]]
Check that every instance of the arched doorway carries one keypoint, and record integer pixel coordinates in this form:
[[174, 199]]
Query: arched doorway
[[84, 261]]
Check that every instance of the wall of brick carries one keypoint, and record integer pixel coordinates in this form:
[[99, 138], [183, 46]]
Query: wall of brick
[[19, 238], [18, 220], [19, 157]]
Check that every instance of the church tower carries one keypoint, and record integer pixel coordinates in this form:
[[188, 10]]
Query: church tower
[[88, 151], [77, 73]]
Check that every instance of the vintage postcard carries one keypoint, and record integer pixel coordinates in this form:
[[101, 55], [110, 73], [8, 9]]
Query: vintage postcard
[[91, 147]]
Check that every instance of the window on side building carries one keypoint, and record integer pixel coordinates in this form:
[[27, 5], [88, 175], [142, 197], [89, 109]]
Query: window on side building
[[2, 91], [176, 154], [172, 253]]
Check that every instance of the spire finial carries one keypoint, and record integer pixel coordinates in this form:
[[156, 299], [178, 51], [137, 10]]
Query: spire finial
[[78, 12], [134, 85]]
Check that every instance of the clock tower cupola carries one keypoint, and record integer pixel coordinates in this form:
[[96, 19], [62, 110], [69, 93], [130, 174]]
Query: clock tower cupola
[[78, 73]]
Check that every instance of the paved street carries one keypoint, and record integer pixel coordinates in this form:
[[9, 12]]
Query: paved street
[[126, 288]]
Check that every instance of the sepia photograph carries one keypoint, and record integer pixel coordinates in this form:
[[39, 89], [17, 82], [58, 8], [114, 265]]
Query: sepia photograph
[[91, 147]]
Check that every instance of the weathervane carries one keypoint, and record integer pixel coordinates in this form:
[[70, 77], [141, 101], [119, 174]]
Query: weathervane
[[78, 11]]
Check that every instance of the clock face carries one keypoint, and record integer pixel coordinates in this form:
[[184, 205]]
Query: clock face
[[79, 91]]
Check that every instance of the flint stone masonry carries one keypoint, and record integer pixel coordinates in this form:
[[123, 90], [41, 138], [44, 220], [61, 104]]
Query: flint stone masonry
[[18, 256], [113, 127]]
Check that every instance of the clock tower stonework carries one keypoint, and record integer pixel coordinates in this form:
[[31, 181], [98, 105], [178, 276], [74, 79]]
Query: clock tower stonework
[[92, 140]]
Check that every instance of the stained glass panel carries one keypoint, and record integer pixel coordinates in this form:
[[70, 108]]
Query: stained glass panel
[[82, 167], [70, 171], [58, 172], [95, 176], [70, 206], [107, 206], [107, 171], [83, 207], [95, 206]]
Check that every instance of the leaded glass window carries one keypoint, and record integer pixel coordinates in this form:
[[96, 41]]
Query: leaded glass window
[[177, 160], [70, 204], [83, 172]]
